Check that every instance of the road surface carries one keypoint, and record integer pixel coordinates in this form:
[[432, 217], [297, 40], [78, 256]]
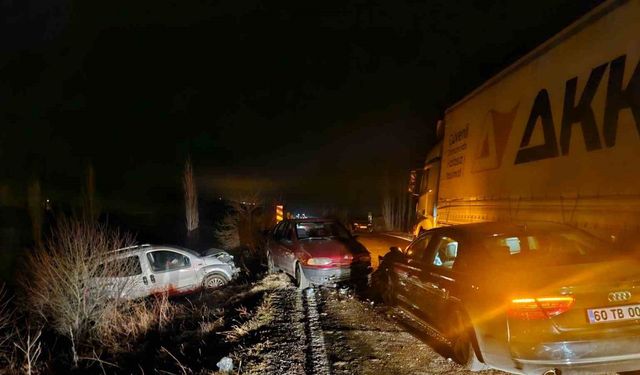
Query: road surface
[[334, 331], [378, 244]]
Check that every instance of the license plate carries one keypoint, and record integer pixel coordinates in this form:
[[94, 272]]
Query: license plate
[[613, 314]]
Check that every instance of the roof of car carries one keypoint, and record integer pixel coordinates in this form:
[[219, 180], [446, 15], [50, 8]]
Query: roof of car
[[312, 220], [496, 228], [150, 247]]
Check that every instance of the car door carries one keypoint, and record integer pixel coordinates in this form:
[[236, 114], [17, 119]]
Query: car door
[[124, 277], [439, 279], [171, 270], [287, 248], [273, 245], [407, 273]]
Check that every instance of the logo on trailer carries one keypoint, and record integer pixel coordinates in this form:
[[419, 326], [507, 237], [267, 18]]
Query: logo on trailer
[[497, 127], [578, 117]]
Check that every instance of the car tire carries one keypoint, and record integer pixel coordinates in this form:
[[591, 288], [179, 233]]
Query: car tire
[[462, 340], [271, 267], [214, 280], [301, 280]]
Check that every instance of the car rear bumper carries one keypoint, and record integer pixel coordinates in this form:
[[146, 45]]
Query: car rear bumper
[[320, 276], [601, 355]]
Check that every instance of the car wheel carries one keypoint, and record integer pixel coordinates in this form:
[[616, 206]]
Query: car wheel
[[462, 338], [214, 281], [301, 280], [271, 267]]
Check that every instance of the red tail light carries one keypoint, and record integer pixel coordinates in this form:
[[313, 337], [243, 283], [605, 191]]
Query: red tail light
[[539, 308]]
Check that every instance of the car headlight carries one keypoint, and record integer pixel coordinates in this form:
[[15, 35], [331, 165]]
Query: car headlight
[[319, 261]]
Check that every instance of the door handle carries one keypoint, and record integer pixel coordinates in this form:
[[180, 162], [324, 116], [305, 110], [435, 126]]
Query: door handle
[[145, 281], [153, 278]]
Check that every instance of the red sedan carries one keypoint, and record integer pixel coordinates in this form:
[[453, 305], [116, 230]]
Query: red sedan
[[316, 252]]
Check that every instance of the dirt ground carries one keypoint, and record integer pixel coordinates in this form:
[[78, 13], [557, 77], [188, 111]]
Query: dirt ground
[[330, 331]]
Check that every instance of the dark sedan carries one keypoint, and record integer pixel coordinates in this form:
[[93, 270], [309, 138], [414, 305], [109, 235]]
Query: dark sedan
[[525, 298], [316, 251]]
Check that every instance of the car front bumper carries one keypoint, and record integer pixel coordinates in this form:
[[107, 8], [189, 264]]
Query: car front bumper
[[320, 276], [598, 355]]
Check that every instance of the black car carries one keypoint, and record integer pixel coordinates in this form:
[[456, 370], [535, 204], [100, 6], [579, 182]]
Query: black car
[[525, 298]]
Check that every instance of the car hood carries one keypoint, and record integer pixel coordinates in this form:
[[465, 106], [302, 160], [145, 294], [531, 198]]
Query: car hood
[[331, 248], [217, 257]]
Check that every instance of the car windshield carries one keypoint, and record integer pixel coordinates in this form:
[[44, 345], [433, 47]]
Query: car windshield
[[549, 248], [321, 229]]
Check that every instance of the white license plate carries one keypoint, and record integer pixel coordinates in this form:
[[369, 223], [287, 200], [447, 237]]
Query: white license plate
[[613, 314]]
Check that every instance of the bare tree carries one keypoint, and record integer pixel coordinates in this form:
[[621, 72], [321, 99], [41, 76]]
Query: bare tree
[[63, 286], [243, 223], [395, 206], [36, 211], [190, 197], [90, 209], [227, 232]]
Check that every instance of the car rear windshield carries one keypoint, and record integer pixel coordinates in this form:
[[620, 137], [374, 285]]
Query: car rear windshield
[[321, 229], [551, 248]]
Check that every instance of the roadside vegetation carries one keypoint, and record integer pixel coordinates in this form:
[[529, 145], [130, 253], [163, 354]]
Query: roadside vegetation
[[59, 321]]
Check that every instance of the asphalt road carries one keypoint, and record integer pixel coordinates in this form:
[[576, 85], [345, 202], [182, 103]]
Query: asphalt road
[[378, 244]]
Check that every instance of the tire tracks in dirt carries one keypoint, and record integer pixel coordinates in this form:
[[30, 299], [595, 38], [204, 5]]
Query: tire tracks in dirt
[[286, 334], [317, 361]]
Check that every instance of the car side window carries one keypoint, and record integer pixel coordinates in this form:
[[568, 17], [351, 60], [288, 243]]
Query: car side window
[[276, 231], [288, 233], [165, 260], [121, 267], [445, 253], [417, 249]]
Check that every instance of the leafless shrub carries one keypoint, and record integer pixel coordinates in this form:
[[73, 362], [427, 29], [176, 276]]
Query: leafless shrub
[[123, 325], [73, 283], [190, 197], [29, 347], [7, 331]]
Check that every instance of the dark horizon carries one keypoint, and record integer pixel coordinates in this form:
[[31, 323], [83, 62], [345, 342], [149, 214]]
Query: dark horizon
[[313, 103]]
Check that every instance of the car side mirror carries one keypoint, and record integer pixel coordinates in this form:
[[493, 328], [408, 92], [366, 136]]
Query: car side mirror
[[395, 249]]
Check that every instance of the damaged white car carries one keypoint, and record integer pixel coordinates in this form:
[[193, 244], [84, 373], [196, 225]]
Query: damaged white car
[[143, 270]]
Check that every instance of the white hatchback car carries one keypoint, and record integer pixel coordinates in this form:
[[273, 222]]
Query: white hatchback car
[[143, 270]]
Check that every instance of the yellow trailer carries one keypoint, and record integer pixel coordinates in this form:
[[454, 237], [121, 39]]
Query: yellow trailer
[[554, 137]]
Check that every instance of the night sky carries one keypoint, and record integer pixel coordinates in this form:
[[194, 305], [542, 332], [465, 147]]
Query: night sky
[[315, 102]]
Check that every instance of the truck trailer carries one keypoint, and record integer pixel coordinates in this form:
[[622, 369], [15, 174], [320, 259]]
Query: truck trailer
[[553, 137]]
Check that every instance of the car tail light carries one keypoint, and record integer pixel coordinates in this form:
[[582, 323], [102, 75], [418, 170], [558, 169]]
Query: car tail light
[[539, 308], [319, 261]]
